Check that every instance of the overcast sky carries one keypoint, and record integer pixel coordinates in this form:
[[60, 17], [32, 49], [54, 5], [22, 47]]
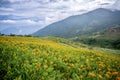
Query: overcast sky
[[39, 13]]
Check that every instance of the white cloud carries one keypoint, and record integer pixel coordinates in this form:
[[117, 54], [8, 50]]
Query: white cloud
[[37, 7], [7, 9], [117, 5], [13, 1], [7, 21], [26, 5], [21, 22], [28, 22]]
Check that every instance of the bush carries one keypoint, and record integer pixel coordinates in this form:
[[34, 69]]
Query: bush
[[27, 35], [116, 44], [100, 42]]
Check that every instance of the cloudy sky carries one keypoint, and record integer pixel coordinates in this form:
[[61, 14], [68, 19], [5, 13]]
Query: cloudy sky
[[27, 16]]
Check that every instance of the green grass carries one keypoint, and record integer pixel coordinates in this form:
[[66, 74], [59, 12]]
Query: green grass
[[27, 58]]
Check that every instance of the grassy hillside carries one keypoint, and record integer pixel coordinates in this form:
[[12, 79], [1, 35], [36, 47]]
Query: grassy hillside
[[109, 38], [27, 58], [110, 33]]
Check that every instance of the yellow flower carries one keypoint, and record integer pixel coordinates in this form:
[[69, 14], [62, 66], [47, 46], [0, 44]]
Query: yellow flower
[[45, 54], [91, 74], [99, 69], [100, 76], [107, 75], [45, 66], [55, 64], [51, 62], [115, 73], [83, 69], [102, 64], [45, 61], [71, 65], [118, 78], [81, 76], [87, 60], [81, 65], [38, 65], [107, 72]]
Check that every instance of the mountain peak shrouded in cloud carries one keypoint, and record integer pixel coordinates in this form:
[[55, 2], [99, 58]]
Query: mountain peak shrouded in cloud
[[39, 13]]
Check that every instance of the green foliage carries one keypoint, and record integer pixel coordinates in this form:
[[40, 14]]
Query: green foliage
[[116, 44], [12, 35], [2, 34], [105, 43], [27, 35]]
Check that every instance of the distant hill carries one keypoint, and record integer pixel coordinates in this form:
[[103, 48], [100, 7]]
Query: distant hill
[[11, 30], [80, 25], [18, 30]]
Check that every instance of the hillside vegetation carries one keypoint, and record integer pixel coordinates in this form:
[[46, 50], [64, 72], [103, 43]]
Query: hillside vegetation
[[27, 58], [109, 38]]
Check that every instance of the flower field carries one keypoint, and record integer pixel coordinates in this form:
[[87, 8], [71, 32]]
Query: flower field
[[27, 58]]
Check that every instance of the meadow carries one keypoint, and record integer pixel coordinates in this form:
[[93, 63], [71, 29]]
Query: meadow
[[31, 58]]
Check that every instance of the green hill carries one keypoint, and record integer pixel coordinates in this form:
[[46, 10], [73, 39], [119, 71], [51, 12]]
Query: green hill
[[109, 38], [31, 58]]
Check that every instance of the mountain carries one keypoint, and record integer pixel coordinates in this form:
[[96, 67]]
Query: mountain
[[11, 30], [79, 25]]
